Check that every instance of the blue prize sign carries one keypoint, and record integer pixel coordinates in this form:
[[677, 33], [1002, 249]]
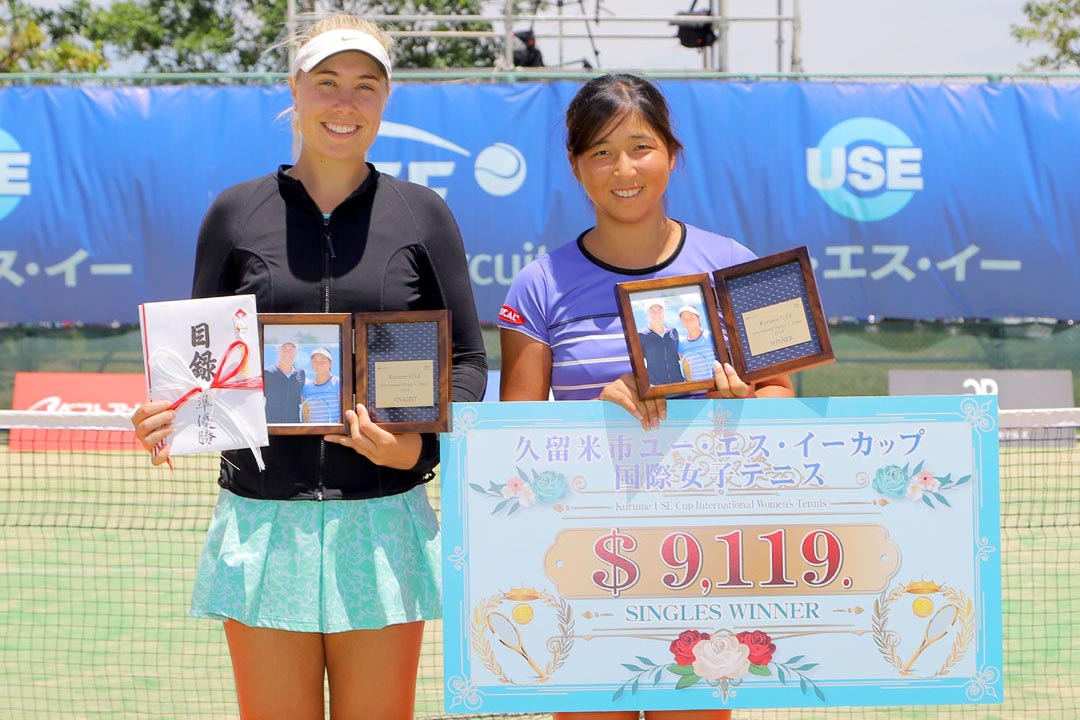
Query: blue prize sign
[[820, 552]]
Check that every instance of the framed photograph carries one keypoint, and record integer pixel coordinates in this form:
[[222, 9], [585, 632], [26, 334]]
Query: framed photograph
[[673, 333], [307, 372], [773, 316], [403, 369]]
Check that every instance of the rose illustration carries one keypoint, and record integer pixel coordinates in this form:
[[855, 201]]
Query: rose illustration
[[891, 481], [549, 486], [917, 484], [721, 656], [682, 647], [722, 660], [760, 644]]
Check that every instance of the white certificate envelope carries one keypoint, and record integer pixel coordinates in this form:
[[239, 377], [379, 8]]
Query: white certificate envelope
[[204, 356]]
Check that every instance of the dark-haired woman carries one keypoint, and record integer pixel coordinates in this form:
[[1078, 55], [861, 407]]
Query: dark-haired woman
[[565, 336]]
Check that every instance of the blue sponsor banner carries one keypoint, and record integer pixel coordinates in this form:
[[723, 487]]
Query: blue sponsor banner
[[916, 201]]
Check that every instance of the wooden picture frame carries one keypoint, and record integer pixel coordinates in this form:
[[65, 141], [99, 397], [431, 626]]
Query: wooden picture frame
[[403, 371], [316, 337], [637, 301], [773, 315]]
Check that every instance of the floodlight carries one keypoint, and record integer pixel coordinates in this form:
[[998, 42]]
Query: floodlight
[[526, 54]]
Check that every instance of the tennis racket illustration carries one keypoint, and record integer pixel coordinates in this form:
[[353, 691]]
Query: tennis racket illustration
[[317, 411], [504, 629], [936, 629]]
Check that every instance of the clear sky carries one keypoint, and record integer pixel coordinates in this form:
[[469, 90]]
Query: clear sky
[[838, 36]]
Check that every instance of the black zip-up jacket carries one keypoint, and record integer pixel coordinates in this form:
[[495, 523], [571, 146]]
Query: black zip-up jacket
[[391, 245]]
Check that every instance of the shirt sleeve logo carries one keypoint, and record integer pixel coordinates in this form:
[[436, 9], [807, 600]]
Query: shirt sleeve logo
[[511, 315]]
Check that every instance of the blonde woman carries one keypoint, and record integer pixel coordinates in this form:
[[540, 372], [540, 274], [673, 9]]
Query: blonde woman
[[326, 564]]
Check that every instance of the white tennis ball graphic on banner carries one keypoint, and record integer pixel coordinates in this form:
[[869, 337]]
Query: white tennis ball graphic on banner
[[500, 169]]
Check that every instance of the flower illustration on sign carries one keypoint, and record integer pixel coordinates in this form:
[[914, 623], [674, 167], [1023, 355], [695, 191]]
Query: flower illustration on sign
[[720, 659], [525, 490], [897, 483]]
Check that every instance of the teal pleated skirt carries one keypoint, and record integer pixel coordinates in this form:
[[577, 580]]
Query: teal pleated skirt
[[321, 566]]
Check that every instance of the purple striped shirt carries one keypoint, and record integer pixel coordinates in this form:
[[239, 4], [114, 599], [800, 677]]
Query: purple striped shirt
[[566, 300]]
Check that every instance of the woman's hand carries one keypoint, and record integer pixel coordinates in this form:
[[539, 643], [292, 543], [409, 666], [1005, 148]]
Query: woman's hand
[[377, 445], [623, 391], [729, 384], [153, 423]]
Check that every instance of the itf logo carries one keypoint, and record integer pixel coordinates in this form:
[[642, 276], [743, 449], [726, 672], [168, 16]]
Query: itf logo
[[498, 169], [865, 169], [14, 174]]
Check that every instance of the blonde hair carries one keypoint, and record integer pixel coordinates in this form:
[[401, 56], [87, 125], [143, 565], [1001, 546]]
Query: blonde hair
[[311, 26]]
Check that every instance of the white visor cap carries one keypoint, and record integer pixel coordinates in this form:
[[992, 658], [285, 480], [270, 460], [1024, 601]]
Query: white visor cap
[[332, 42]]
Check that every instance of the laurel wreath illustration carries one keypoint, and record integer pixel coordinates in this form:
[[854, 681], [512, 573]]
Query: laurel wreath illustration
[[558, 646], [888, 640]]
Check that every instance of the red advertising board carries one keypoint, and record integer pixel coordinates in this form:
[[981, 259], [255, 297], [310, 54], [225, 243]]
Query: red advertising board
[[76, 392]]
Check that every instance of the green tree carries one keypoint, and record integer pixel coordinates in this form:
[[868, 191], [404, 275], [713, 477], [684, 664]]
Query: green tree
[[32, 41], [231, 35], [435, 52], [185, 35], [444, 52], [1056, 23]]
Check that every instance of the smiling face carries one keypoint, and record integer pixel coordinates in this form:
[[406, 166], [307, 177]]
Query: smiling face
[[339, 106], [691, 322], [656, 316], [286, 355], [321, 365], [625, 171]]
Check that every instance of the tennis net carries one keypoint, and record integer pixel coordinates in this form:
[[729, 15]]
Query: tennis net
[[99, 552]]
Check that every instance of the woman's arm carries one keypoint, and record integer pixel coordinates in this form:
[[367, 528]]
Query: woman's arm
[[526, 367], [444, 284], [153, 420], [448, 286], [526, 375], [213, 275], [153, 423], [775, 387], [730, 385]]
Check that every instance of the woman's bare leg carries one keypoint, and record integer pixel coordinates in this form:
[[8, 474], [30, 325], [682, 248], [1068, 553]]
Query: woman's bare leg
[[373, 672], [279, 673]]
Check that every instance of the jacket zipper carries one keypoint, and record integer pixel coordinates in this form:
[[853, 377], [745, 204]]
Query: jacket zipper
[[328, 255]]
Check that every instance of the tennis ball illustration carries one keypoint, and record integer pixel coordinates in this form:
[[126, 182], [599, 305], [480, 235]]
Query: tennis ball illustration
[[500, 169]]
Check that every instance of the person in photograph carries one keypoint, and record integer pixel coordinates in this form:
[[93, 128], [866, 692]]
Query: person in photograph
[[322, 394], [695, 345], [282, 385], [562, 331], [660, 346], [325, 565]]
